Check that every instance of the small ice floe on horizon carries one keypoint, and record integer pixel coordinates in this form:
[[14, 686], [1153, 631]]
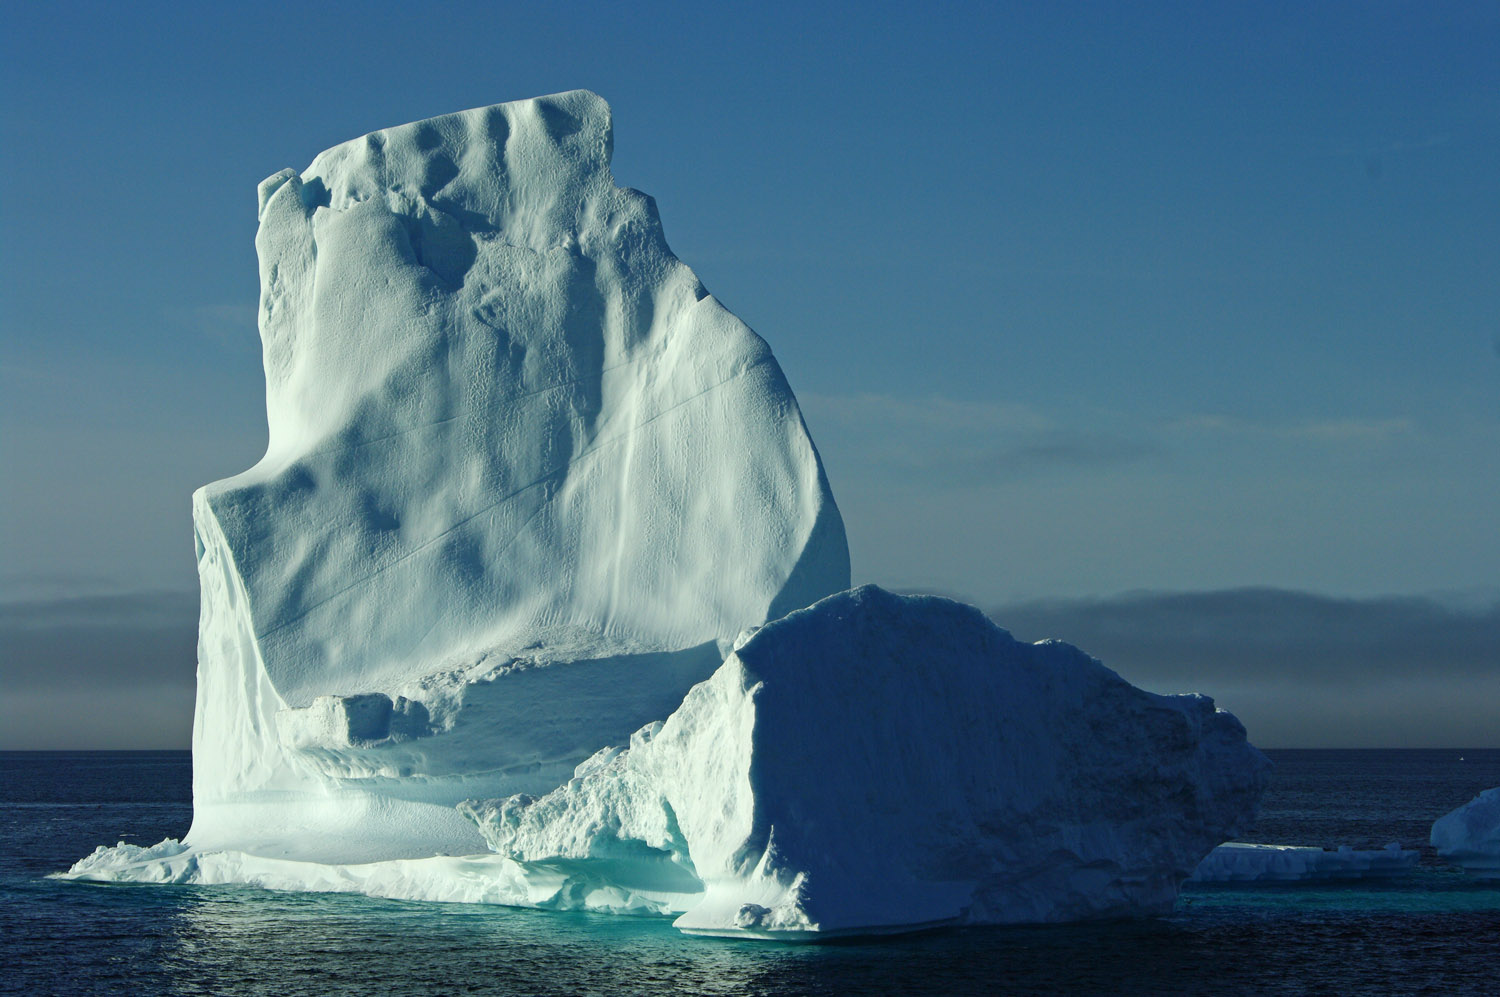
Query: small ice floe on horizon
[[1469, 837], [1241, 862]]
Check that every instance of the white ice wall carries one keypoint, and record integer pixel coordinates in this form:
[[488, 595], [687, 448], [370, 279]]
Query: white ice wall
[[509, 430]]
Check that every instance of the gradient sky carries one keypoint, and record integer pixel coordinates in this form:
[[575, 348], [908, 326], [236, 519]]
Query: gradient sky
[[1082, 301]]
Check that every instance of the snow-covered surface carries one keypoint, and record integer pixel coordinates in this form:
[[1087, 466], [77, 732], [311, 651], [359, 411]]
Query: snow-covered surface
[[878, 762], [1470, 836], [523, 474], [1241, 862]]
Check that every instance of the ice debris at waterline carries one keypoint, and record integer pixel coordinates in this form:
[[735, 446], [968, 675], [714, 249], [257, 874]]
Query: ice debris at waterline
[[1241, 862], [526, 482], [1470, 836]]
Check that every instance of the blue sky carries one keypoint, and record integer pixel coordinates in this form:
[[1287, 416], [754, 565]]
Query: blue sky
[[1079, 299]]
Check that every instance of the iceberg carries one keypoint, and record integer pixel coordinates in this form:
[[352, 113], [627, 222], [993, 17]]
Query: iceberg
[[1469, 836], [1242, 862], [523, 473], [880, 762], [540, 596]]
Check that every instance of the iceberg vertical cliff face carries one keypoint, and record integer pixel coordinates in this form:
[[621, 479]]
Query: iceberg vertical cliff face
[[878, 762], [523, 471]]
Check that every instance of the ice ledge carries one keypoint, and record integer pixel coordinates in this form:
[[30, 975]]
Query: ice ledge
[[1241, 862]]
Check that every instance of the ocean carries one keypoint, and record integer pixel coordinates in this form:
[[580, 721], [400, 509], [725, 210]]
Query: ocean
[[1434, 931]]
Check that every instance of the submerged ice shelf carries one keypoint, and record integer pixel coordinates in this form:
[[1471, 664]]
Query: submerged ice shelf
[[469, 627]]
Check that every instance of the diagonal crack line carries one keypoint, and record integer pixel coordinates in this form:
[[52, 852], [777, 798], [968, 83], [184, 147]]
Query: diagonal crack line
[[413, 552], [550, 475], [381, 439], [576, 380], [442, 422], [626, 434]]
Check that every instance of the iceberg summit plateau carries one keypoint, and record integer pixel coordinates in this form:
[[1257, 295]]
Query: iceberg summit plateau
[[540, 596]]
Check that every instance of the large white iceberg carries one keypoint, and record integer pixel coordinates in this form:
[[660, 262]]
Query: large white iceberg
[[468, 628], [523, 473], [1470, 836], [878, 762]]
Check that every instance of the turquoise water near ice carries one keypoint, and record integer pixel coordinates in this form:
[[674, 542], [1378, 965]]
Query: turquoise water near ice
[[1435, 931]]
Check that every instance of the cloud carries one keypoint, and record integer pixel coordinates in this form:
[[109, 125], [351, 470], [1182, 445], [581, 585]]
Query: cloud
[[18, 585], [1259, 633], [145, 611], [1301, 670], [963, 443], [951, 443], [232, 326], [115, 718], [1329, 431], [868, 410], [1077, 449], [107, 671], [1376, 154]]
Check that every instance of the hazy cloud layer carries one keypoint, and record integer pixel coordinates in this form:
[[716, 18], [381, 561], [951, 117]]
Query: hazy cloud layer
[[1301, 670], [950, 442], [109, 671], [1024, 499], [1246, 634]]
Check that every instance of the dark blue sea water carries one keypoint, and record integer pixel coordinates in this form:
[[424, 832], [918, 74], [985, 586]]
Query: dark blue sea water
[[1432, 932]]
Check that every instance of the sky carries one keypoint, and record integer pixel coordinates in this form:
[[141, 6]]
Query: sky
[[1172, 330]]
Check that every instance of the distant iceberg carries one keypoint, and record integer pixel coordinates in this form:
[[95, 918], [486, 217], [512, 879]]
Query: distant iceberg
[[1239, 862], [1469, 837], [469, 627]]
